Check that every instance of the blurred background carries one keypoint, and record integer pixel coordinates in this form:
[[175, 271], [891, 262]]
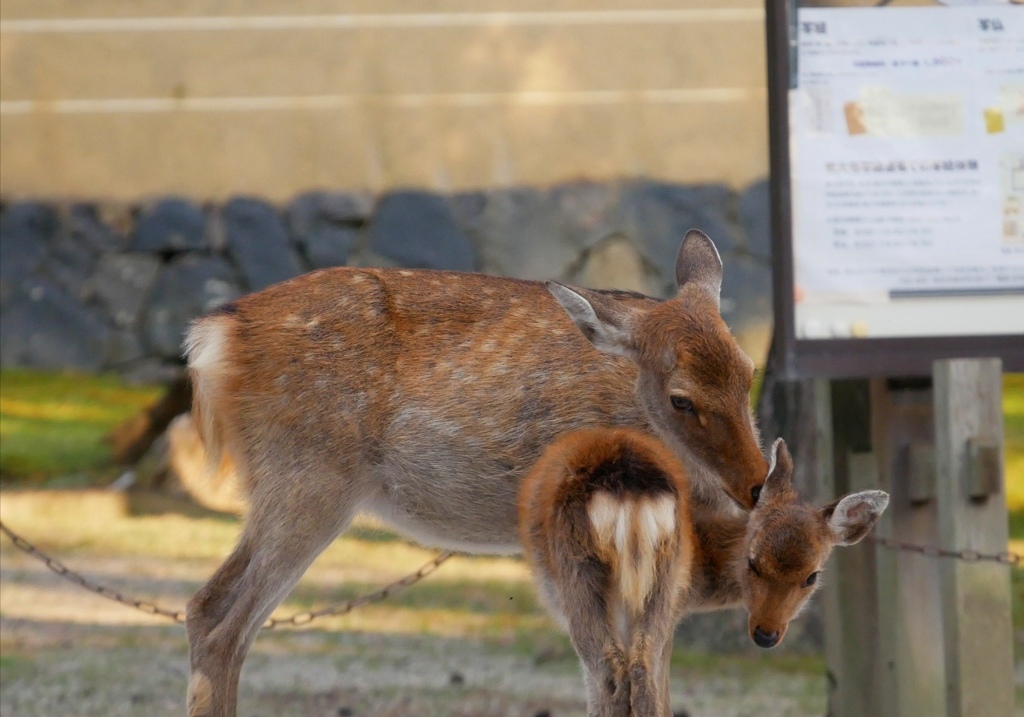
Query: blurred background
[[160, 158]]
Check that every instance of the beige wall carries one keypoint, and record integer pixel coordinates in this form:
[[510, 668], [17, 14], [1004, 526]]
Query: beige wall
[[119, 99]]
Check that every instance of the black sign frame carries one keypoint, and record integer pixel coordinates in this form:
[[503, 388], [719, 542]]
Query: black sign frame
[[837, 358]]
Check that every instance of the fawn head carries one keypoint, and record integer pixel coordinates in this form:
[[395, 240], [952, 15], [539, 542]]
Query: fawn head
[[693, 380], [787, 544]]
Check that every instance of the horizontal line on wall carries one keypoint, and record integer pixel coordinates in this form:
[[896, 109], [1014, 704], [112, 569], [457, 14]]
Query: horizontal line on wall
[[389, 20], [410, 100]]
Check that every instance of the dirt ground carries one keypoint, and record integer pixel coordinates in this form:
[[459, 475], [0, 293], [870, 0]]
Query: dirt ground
[[468, 641], [71, 669]]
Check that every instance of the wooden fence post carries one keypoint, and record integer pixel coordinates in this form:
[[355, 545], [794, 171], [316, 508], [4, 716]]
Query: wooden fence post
[[909, 594], [978, 630], [850, 596]]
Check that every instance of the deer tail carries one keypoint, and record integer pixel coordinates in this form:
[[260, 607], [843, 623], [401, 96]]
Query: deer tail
[[628, 533]]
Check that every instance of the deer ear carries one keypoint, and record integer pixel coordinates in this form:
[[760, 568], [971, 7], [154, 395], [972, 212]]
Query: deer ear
[[699, 264], [780, 471], [606, 323], [851, 517]]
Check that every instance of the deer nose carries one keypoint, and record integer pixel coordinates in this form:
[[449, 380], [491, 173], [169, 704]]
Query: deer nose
[[755, 493], [765, 639]]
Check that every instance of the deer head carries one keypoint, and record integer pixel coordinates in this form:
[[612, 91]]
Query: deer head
[[693, 379], [787, 543]]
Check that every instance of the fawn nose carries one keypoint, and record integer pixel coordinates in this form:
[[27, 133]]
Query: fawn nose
[[765, 639]]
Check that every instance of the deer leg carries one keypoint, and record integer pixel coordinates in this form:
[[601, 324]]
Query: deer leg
[[281, 538], [663, 675], [589, 623], [651, 649], [604, 675]]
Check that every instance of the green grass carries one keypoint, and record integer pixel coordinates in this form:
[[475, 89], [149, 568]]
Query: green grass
[[1013, 416], [15, 665], [52, 425], [1013, 426]]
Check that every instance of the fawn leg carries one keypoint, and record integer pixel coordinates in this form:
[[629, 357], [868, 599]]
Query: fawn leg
[[663, 675], [593, 636], [651, 649]]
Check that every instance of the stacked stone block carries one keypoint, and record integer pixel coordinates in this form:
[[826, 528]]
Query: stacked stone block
[[105, 288]]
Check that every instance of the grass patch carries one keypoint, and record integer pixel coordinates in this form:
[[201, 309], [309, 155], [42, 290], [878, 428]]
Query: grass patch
[[748, 665], [14, 665], [1013, 429], [52, 425]]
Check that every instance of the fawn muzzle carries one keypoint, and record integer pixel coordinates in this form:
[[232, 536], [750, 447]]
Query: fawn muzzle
[[766, 639]]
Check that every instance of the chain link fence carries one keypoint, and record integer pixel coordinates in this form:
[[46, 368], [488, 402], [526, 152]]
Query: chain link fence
[[302, 618], [178, 616]]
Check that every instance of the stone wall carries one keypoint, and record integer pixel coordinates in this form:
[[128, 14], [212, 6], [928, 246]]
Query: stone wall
[[103, 287]]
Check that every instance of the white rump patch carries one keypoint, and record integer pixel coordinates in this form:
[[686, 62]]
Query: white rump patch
[[610, 519], [630, 531], [204, 343], [657, 519], [205, 348]]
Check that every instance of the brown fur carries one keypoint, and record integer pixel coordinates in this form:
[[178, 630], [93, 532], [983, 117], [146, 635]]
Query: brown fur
[[786, 540], [424, 397], [703, 564], [619, 635]]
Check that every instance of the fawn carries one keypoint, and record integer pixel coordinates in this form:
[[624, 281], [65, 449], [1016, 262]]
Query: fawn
[[605, 525], [424, 397], [620, 550]]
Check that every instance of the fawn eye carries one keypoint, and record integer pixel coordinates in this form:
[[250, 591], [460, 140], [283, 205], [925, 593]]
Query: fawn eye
[[811, 579], [752, 567], [681, 403], [755, 493]]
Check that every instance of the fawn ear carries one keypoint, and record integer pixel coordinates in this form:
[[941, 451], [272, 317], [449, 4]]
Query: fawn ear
[[851, 517], [605, 322], [780, 471], [699, 264]]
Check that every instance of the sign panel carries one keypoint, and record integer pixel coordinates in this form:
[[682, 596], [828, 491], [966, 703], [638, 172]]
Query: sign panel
[[898, 179]]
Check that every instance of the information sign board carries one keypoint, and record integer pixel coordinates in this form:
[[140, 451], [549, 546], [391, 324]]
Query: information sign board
[[897, 137]]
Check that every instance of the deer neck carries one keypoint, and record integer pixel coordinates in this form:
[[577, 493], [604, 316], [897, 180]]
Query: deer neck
[[719, 561]]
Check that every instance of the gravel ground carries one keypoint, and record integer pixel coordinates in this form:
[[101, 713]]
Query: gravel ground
[[65, 652], [52, 669], [470, 641]]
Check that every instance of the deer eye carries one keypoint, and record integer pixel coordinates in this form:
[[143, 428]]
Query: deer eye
[[755, 493], [681, 403], [811, 579], [752, 567]]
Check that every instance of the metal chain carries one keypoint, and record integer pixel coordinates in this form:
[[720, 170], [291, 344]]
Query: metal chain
[[178, 616], [342, 608], [83, 582], [969, 555], [305, 617]]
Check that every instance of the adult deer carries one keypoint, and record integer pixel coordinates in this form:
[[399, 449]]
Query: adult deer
[[620, 550], [424, 397]]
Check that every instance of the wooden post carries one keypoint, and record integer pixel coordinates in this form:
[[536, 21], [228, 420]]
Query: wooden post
[[850, 596], [971, 491], [830, 594], [909, 593]]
